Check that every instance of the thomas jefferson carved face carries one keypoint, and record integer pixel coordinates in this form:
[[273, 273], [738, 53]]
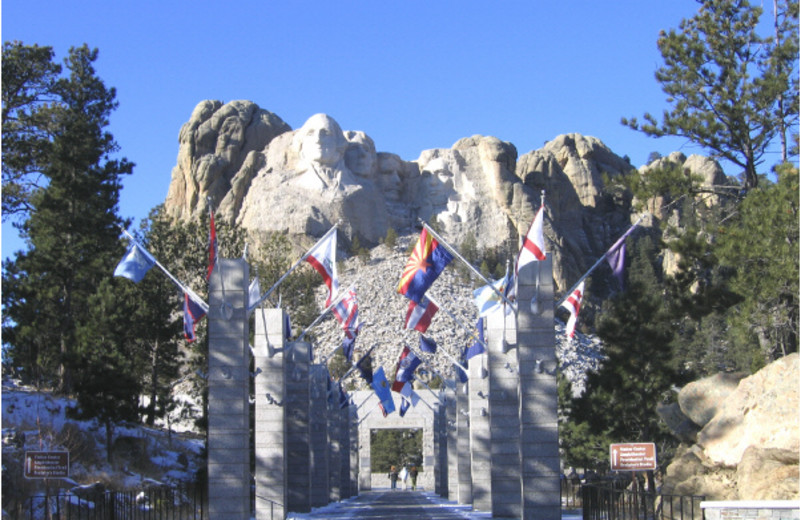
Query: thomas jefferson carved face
[[321, 140], [360, 156]]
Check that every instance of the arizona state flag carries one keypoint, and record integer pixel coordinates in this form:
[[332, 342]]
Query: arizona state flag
[[425, 264]]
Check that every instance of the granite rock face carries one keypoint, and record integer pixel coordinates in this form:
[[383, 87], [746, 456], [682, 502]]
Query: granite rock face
[[749, 449], [265, 177]]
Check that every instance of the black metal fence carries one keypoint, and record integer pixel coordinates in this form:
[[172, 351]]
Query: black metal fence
[[602, 501], [157, 503]]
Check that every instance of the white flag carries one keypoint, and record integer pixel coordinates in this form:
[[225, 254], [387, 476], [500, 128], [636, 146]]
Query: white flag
[[573, 305]]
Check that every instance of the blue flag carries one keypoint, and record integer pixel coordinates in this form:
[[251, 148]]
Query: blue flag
[[381, 387], [347, 348], [135, 264], [192, 313], [425, 264], [427, 344], [477, 346]]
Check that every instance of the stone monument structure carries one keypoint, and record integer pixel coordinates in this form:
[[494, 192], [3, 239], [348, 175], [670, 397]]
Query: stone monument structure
[[228, 395]]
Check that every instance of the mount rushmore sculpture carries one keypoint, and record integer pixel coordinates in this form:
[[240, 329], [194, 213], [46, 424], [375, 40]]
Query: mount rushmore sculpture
[[265, 177]]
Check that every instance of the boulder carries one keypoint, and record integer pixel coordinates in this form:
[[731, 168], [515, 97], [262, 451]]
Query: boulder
[[678, 423], [768, 474], [762, 412], [700, 400], [749, 450]]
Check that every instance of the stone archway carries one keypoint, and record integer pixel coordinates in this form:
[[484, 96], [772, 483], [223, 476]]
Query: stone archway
[[421, 416]]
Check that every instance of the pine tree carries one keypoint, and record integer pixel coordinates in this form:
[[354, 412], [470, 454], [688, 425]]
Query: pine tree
[[761, 244], [620, 400], [732, 91], [73, 229]]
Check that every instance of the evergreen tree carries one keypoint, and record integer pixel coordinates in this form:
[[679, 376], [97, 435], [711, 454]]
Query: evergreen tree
[[620, 400], [761, 244], [29, 98], [107, 386], [72, 231], [732, 91]]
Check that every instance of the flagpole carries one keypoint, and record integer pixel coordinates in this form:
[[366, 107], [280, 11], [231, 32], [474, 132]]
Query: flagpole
[[177, 282], [459, 322], [355, 365], [336, 300], [287, 273], [430, 367], [471, 267], [599, 261]]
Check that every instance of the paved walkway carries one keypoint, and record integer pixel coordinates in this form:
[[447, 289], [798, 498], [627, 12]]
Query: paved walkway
[[393, 505]]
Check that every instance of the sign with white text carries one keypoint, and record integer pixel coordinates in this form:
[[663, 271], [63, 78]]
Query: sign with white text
[[46, 464], [634, 456]]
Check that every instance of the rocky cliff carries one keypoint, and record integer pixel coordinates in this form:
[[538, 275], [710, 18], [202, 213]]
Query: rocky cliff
[[740, 435], [262, 175]]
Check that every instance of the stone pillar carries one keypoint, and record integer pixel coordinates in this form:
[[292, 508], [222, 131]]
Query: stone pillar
[[438, 448], [538, 395], [353, 411], [426, 478], [504, 415], [344, 447], [319, 435], [334, 449], [228, 392], [366, 400], [464, 454], [298, 453], [480, 439], [443, 449], [452, 443], [270, 424]]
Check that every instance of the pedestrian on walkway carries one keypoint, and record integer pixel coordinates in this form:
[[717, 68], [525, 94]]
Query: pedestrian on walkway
[[393, 477], [404, 477], [413, 474]]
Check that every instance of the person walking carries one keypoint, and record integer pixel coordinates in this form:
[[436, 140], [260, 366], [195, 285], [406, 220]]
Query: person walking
[[393, 477], [404, 477], [413, 474]]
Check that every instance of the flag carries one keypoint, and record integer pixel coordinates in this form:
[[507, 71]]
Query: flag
[[323, 258], [462, 375], [253, 292], [533, 243], [573, 305], [212, 246], [192, 313], [615, 257], [424, 265], [419, 315], [404, 405], [409, 394], [348, 343], [427, 344], [365, 369], [342, 396], [487, 300], [616, 260], [288, 323], [406, 366], [346, 311], [135, 264], [477, 347], [381, 387]]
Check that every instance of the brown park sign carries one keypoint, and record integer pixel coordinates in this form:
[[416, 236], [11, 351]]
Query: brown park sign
[[637, 456], [46, 464]]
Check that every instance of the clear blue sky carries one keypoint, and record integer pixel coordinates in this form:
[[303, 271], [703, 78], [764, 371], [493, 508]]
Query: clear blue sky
[[413, 75]]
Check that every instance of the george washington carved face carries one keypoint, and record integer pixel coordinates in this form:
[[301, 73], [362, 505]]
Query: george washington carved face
[[321, 141]]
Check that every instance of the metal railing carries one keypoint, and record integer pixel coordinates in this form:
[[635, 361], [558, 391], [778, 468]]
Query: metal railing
[[157, 503], [603, 501]]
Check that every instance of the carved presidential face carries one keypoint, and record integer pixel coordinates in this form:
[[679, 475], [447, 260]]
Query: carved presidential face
[[390, 177], [360, 156], [321, 140], [439, 180]]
